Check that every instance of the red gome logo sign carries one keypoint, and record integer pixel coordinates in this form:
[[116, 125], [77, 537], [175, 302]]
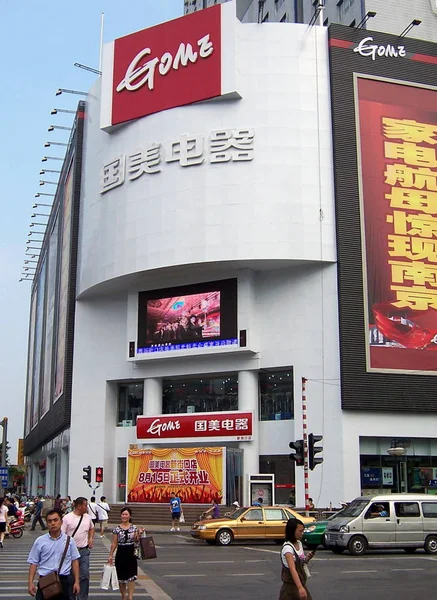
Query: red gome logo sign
[[173, 64]]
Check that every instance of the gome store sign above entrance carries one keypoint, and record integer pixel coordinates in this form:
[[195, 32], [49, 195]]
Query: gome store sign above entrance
[[173, 64]]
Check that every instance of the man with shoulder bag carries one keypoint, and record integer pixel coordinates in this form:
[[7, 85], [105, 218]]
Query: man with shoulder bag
[[78, 524], [54, 556]]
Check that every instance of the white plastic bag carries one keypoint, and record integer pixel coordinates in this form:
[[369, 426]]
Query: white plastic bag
[[105, 581], [114, 579], [182, 518]]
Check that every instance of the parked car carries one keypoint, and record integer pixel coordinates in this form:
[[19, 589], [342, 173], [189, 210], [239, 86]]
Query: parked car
[[254, 523], [406, 521]]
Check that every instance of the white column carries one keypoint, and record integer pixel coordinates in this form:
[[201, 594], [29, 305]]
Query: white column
[[248, 400], [152, 402], [63, 480]]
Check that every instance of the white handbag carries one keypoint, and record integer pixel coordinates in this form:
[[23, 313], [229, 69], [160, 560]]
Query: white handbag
[[109, 578], [105, 581], [114, 579]]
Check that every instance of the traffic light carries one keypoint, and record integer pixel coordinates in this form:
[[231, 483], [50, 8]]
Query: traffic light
[[99, 474], [313, 461], [87, 476], [298, 455]]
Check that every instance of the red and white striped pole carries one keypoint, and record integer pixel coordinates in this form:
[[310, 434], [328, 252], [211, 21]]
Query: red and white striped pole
[[305, 445]]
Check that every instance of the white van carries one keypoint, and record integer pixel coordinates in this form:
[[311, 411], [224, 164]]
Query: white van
[[407, 521]]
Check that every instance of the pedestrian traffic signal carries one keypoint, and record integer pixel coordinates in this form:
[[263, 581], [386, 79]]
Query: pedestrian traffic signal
[[313, 461], [99, 474], [87, 476], [298, 454]]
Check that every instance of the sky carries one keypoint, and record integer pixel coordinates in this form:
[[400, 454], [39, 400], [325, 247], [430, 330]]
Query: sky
[[40, 42]]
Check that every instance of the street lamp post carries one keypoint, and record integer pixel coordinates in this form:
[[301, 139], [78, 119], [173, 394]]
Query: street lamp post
[[397, 451]]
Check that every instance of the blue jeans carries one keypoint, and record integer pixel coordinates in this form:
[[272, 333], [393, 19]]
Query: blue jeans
[[84, 576]]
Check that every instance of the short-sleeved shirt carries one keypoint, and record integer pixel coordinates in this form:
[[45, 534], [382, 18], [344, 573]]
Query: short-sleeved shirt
[[215, 511], [3, 513], [69, 524], [102, 511], [175, 504], [47, 552], [125, 537], [288, 548]]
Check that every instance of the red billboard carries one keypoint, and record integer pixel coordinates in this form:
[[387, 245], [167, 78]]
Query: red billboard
[[234, 425], [172, 64], [397, 141]]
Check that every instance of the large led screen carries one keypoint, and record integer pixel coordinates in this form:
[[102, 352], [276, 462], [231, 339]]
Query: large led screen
[[397, 140], [200, 315]]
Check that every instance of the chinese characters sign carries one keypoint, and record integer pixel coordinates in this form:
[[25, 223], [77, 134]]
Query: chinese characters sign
[[219, 425], [398, 139], [195, 475], [172, 64], [226, 145]]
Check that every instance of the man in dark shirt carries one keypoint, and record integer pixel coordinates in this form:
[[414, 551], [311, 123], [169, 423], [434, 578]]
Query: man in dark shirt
[[37, 518]]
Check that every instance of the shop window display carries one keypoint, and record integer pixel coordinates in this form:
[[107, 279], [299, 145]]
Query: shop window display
[[130, 403], [276, 395], [200, 394]]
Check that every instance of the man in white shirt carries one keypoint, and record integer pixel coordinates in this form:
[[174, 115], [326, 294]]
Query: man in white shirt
[[92, 510], [79, 525], [103, 514]]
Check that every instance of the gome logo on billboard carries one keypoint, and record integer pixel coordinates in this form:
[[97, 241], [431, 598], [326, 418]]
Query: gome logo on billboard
[[173, 64]]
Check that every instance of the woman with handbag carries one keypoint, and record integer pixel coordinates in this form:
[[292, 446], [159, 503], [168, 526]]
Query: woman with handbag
[[125, 537], [295, 571]]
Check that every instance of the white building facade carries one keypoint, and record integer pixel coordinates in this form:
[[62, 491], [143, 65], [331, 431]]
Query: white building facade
[[236, 189]]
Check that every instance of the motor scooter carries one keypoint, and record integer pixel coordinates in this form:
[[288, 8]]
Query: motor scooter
[[16, 525]]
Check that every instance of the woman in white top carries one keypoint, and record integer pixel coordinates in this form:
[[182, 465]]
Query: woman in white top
[[293, 560], [3, 520]]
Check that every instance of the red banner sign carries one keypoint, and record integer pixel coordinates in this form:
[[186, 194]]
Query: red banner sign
[[173, 64], [218, 425], [398, 141]]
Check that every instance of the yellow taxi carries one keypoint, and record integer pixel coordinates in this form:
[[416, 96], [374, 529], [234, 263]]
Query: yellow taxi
[[254, 523]]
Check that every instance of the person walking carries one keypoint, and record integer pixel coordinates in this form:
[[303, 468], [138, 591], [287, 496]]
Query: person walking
[[46, 555], [92, 510], [58, 503], [103, 512], [37, 517], [78, 524], [175, 510], [3, 520], [124, 538], [293, 562]]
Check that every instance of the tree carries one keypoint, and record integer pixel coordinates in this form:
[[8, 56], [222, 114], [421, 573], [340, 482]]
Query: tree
[[8, 447]]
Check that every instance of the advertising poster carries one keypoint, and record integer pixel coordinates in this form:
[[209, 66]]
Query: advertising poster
[[397, 126], [28, 417], [38, 349], [49, 320], [195, 475], [63, 286]]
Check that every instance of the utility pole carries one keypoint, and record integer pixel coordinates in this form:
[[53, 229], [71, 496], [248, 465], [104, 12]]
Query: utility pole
[[305, 444], [3, 469], [4, 424]]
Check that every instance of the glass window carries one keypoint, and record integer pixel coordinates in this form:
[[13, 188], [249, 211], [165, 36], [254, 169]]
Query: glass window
[[255, 514], [130, 403], [284, 471], [407, 509], [275, 514], [429, 510], [200, 394], [276, 394]]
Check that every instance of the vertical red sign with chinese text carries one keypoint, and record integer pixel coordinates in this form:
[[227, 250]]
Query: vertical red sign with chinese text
[[398, 143]]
